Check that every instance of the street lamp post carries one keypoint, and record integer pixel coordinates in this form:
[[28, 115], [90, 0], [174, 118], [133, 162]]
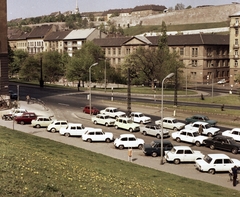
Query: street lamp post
[[90, 93], [105, 75], [167, 77]]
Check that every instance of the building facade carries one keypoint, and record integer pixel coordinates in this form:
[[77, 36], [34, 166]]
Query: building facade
[[3, 51]]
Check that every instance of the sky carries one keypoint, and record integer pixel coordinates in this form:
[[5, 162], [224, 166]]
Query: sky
[[33, 8]]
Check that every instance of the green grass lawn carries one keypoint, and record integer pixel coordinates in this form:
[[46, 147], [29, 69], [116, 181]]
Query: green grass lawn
[[33, 166]]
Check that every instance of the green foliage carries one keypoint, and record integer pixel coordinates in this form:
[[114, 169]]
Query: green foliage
[[18, 58], [30, 69]]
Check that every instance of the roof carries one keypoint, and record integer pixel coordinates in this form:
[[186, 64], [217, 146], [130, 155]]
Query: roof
[[110, 42], [217, 155], [57, 36], [201, 122], [127, 135], [79, 34], [169, 118], [40, 31], [182, 147]]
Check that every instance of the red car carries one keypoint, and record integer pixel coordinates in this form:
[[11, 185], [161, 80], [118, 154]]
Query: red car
[[26, 118], [86, 110]]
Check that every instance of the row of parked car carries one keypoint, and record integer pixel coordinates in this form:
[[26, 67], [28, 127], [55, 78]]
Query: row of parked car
[[176, 154]]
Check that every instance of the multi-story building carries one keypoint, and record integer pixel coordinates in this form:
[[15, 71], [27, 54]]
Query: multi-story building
[[3, 51], [204, 55], [234, 48]]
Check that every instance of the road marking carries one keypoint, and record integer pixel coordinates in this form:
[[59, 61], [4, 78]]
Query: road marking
[[63, 104]]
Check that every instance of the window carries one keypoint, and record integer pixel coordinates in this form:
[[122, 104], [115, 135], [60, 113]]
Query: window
[[236, 63], [127, 50], [119, 51], [209, 52], [218, 161], [179, 152], [114, 51], [109, 51], [194, 63], [188, 152], [181, 51], [194, 52], [236, 32]]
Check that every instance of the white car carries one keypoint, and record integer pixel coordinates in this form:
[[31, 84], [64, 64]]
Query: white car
[[180, 154], [128, 141], [103, 119], [234, 133], [189, 136], [171, 123], [216, 163], [139, 117], [127, 124], [41, 121], [113, 112], [97, 135], [55, 125], [74, 129], [154, 130], [207, 128]]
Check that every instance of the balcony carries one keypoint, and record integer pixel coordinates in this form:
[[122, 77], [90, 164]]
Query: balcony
[[236, 56], [235, 46]]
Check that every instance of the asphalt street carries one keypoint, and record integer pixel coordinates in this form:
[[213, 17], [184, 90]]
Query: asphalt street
[[184, 170]]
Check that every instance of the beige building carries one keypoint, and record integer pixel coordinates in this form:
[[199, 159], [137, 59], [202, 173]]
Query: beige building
[[234, 47]]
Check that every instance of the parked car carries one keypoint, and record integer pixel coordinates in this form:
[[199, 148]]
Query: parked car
[[189, 136], [216, 163], [127, 124], [234, 133], [139, 117], [154, 130], [223, 81], [113, 112], [207, 128], [128, 141], [73, 129], [97, 135], [222, 142], [171, 123], [13, 95], [55, 125], [201, 118], [41, 121], [13, 113], [103, 119], [26, 118], [86, 110], [180, 154], [154, 148]]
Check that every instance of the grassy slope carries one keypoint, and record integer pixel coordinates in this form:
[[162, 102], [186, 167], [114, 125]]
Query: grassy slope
[[32, 166]]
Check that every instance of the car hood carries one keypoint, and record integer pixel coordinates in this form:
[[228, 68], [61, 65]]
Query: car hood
[[147, 146], [236, 162]]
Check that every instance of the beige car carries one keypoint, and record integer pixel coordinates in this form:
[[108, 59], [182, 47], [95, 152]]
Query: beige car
[[41, 121]]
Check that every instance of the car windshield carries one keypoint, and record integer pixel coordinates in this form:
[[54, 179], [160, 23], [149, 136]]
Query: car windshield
[[207, 126], [205, 118], [173, 150], [140, 115], [207, 159], [129, 121], [153, 144], [157, 127], [106, 117], [114, 110], [174, 120], [195, 134]]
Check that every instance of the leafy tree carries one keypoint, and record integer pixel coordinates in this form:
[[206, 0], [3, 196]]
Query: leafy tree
[[30, 69], [18, 58]]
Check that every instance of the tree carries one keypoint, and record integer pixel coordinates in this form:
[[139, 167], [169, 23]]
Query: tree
[[179, 6], [30, 69]]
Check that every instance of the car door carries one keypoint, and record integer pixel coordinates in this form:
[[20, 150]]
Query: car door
[[99, 136], [101, 119], [227, 164], [151, 130], [166, 124], [132, 142], [180, 154], [189, 137], [188, 156], [218, 165], [183, 135], [73, 130], [236, 135]]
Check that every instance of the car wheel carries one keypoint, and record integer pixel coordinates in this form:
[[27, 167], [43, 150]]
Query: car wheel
[[140, 146], [95, 122], [212, 147], [106, 124], [178, 139], [108, 140], [175, 129], [121, 147], [53, 130], [211, 171], [130, 130], [116, 127], [234, 150], [154, 154], [38, 126], [158, 136], [89, 140], [144, 133], [209, 135], [22, 122], [67, 134], [198, 143], [176, 161]]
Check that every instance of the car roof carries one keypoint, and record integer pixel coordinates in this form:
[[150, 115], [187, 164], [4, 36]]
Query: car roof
[[217, 155], [223, 137], [188, 130], [124, 118], [182, 147], [201, 122], [127, 135], [94, 129], [164, 141], [74, 124], [236, 129], [110, 108], [136, 113], [169, 118]]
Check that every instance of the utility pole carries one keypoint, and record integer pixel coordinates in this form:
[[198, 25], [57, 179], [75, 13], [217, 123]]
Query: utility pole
[[129, 94], [176, 87]]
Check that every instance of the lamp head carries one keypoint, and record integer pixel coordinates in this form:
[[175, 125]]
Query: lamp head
[[170, 75]]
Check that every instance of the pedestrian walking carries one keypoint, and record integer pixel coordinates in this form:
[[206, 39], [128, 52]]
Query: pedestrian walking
[[234, 175], [200, 129], [222, 107], [28, 99]]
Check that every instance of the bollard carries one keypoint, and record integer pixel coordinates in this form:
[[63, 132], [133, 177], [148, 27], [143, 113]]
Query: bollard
[[174, 113]]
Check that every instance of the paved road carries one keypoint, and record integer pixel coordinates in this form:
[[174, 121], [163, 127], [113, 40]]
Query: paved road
[[184, 170]]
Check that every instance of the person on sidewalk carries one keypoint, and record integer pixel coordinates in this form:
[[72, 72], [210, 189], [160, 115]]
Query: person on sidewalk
[[28, 99], [234, 175]]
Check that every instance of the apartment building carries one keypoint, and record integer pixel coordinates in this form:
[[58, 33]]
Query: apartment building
[[234, 47], [206, 56]]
